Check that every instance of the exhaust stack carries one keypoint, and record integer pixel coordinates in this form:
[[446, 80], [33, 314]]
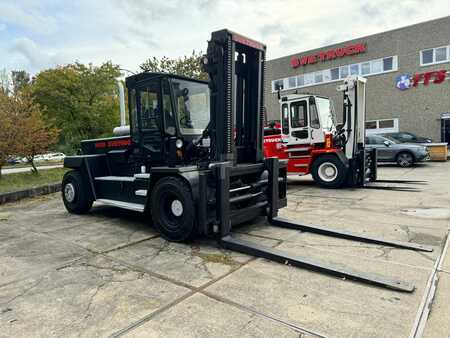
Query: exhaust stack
[[123, 129]]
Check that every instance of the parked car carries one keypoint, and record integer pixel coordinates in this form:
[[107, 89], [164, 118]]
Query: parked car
[[405, 137], [13, 160], [390, 150], [54, 156]]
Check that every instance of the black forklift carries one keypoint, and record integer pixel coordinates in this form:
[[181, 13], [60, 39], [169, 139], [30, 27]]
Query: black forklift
[[193, 160]]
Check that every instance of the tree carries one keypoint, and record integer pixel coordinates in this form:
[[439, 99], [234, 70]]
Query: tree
[[189, 66], [24, 132], [35, 135], [20, 79], [8, 129], [81, 101]]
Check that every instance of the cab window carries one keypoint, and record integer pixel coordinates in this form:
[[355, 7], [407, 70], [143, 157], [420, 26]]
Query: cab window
[[299, 115], [285, 119], [169, 116], [150, 112], [314, 116]]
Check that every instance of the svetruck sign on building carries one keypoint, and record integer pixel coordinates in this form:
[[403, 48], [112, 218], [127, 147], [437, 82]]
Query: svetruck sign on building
[[330, 54], [406, 81]]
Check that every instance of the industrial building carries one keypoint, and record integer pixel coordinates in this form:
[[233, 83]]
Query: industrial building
[[407, 71]]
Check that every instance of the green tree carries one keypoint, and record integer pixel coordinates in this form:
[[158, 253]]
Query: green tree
[[20, 79], [35, 134], [81, 101], [8, 130], [24, 132], [189, 66]]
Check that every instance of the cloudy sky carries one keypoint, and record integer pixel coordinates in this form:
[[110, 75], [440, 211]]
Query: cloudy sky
[[37, 34]]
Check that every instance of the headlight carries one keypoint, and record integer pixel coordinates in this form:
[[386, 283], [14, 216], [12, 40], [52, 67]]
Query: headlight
[[179, 143]]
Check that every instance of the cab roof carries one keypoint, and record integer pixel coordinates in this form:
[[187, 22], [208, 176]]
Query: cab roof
[[145, 76]]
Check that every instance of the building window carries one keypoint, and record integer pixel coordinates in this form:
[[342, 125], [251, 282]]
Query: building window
[[427, 56], [371, 125], [441, 54], [382, 126], [343, 72], [354, 69], [292, 82], [277, 85], [377, 66], [386, 124], [388, 64], [334, 74], [367, 68], [326, 75], [309, 79], [318, 77], [435, 55]]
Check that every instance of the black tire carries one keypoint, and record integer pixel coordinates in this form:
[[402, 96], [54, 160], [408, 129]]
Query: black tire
[[81, 201], [404, 159], [336, 180], [167, 195]]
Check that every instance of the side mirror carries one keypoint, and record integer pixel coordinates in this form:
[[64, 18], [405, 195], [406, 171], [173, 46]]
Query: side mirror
[[387, 143]]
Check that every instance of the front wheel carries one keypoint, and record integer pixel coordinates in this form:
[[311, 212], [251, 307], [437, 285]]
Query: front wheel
[[75, 193], [405, 160], [173, 209], [328, 171]]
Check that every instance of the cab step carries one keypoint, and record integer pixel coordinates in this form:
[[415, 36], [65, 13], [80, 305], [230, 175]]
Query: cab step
[[121, 204]]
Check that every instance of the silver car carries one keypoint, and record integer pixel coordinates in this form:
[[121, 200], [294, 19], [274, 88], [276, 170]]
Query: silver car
[[389, 150]]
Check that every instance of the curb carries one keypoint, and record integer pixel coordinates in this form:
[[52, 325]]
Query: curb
[[38, 191]]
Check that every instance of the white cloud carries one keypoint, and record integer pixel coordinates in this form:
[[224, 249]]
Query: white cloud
[[128, 32]]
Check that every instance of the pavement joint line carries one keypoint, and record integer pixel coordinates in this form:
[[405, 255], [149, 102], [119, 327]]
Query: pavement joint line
[[148, 317], [428, 297], [248, 309], [193, 291], [123, 246]]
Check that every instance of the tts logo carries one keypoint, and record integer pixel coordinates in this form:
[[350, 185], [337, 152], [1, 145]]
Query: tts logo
[[403, 81], [406, 81]]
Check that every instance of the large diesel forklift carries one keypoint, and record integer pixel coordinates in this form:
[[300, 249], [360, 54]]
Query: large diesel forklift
[[193, 161]]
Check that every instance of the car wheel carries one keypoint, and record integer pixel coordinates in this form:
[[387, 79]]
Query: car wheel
[[173, 209], [75, 193], [328, 171], [405, 159]]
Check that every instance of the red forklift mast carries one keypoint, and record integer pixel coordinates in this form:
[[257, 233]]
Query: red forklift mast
[[197, 177]]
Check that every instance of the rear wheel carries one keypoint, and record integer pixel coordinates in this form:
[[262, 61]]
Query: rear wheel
[[75, 193], [328, 171], [405, 159], [173, 209]]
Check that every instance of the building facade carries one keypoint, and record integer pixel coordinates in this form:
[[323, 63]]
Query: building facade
[[407, 71]]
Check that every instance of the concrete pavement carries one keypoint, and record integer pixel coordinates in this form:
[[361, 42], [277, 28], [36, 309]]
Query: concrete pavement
[[109, 273]]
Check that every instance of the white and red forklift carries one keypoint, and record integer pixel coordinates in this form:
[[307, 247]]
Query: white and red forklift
[[312, 141]]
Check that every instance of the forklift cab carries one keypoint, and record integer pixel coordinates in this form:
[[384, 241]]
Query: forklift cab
[[167, 112], [306, 119]]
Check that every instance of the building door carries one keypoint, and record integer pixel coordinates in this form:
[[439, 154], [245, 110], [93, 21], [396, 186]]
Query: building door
[[445, 130]]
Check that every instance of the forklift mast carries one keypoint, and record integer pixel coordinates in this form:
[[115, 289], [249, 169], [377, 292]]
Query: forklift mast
[[235, 65], [354, 111]]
